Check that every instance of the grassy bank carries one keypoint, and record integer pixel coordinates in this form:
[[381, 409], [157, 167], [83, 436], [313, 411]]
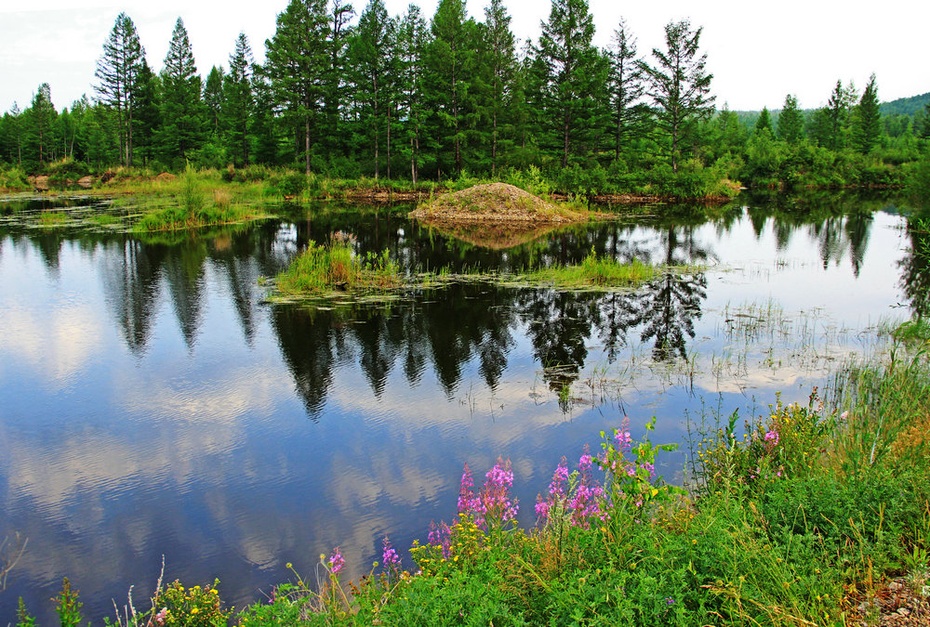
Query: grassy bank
[[284, 183], [800, 516]]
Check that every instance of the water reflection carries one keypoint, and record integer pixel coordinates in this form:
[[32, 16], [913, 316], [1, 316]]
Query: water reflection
[[915, 267], [152, 404]]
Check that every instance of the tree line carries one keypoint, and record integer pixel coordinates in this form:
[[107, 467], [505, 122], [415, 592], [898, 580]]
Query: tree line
[[403, 97]]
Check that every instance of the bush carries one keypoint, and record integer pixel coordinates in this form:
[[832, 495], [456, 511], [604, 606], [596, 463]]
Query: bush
[[918, 183], [14, 180]]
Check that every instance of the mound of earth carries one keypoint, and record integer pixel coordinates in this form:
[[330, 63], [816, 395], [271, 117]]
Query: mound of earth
[[494, 203]]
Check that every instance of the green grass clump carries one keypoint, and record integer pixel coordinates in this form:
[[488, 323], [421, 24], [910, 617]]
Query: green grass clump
[[322, 269], [13, 179], [595, 272], [52, 218]]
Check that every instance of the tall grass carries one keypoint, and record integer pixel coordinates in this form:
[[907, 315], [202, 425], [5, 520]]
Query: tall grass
[[194, 200], [323, 269]]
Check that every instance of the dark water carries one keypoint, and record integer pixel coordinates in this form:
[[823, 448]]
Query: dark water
[[151, 405]]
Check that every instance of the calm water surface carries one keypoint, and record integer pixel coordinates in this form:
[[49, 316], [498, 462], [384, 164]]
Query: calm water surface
[[152, 405]]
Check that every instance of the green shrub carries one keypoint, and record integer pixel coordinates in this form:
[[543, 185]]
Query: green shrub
[[177, 606], [14, 180]]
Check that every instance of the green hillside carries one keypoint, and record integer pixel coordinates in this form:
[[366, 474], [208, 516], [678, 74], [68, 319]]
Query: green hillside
[[905, 106]]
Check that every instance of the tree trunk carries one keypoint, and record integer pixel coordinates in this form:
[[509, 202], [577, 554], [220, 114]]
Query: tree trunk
[[377, 134], [389, 143], [494, 146], [565, 143], [307, 143]]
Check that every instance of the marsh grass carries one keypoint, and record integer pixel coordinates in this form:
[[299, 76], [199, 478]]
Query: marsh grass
[[51, 219], [594, 273], [193, 200], [336, 267]]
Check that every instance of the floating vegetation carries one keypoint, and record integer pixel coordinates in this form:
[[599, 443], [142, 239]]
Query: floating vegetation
[[336, 271], [595, 272]]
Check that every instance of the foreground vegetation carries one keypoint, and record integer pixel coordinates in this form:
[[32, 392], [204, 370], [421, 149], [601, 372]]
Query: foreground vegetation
[[796, 517]]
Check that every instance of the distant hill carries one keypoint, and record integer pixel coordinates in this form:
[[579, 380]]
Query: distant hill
[[901, 106], [905, 106]]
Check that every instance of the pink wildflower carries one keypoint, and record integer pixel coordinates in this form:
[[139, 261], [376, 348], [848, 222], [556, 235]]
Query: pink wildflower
[[623, 437], [466, 504], [440, 535], [389, 557], [336, 561], [495, 502], [586, 500], [556, 491]]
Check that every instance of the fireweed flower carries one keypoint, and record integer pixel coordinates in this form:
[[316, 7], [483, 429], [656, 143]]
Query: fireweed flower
[[336, 561], [495, 502], [468, 503], [440, 535], [557, 489], [389, 557], [623, 438], [585, 503]]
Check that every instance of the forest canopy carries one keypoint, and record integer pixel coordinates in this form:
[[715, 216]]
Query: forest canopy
[[414, 97]]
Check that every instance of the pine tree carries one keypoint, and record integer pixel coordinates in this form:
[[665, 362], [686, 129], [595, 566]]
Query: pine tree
[[790, 121], [626, 88], [868, 119], [117, 75], [40, 120], [764, 122], [183, 113], [213, 99], [13, 136], [147, 113], [573, 72], [500, 63], [448, 58], [264, 127], [832, 125], [371, 52], [679, 84], [412, 39], [297, 66], [238, 102], [335, 82]]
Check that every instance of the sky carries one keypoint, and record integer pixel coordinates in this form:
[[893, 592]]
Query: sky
[[757, 55]]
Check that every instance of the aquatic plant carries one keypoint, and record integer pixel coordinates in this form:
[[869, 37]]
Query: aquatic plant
[[322, 269]]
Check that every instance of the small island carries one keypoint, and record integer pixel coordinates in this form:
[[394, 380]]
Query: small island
[[497, 215], [495, 203]]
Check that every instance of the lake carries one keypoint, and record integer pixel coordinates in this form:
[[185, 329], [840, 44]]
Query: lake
[[153, 405]]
